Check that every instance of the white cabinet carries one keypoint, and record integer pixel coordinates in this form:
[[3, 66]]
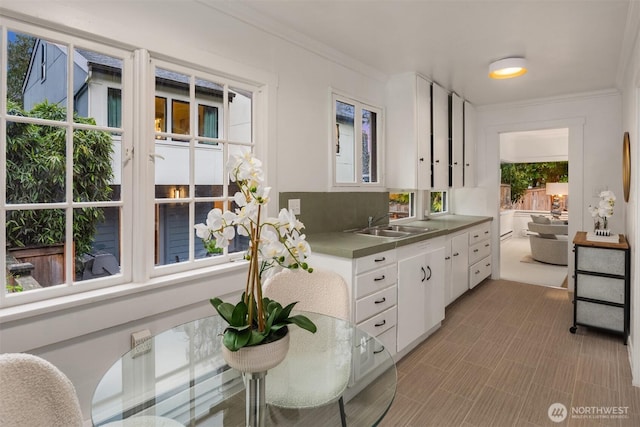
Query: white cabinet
[[420, 290], [457, 141], [479, 253], [440, 137], [469, 145], [408, 126], [457, 269]]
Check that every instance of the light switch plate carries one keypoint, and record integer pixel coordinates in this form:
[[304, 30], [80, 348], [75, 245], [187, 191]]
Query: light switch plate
[[294, 206]]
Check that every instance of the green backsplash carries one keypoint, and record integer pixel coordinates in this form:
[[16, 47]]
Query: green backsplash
[[323, 212]]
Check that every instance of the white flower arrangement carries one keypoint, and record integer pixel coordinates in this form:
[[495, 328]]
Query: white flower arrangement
[[274, 244], [603, 210]]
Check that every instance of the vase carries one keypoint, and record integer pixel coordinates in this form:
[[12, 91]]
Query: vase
[[257, 358]]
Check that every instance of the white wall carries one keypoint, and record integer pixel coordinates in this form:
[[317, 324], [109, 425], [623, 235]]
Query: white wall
[[87, 337], [631, 124]]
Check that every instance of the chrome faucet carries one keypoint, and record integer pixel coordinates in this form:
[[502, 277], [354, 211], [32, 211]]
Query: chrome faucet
[[372, 220]]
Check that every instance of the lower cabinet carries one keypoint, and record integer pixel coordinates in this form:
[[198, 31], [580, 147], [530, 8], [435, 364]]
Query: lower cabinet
[[456, 266], [420, 290]]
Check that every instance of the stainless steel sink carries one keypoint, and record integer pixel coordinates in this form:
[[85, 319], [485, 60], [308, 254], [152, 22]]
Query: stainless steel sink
[[396, 231], [382, 232]]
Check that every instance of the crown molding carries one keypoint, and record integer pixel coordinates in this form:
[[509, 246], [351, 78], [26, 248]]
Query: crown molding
[[550, 100]]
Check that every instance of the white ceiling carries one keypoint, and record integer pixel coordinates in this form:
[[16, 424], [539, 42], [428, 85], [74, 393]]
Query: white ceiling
[[572, 46]]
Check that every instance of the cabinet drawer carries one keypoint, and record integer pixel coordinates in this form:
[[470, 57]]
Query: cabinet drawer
[[374, 281], [375, 261], [381, 322], [376, 303], [371, 353], [600, 315], [479, 271], [479, 233], [600, 260], [479, 251], [601, 288]]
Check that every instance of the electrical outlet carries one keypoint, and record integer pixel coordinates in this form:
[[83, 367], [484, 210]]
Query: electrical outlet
[[141, 342], [294, 206]]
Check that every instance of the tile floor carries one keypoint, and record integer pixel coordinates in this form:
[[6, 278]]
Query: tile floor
[[503, 355]]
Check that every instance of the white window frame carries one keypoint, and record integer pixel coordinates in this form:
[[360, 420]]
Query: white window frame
[[380, 142], [137, 181]]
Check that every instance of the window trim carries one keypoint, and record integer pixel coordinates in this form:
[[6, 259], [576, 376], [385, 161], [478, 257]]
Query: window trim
[[359, 105]]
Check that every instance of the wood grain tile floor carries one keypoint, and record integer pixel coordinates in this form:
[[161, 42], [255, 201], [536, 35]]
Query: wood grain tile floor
[[504, 355]]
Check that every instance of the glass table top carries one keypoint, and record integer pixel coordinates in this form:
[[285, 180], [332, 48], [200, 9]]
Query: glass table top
[[181, 374]]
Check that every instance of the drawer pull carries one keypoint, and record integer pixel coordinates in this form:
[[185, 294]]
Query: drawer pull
[[380, 259], [456, 254], [475, 236], [486, 232], [477, 272], [447, 258], [487, 245], [475, 250], [488, 265], [384, 322], [378, 351], [377, 279], [380, 301]]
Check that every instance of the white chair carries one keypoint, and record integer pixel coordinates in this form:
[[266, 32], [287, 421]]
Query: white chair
[[36, 393], [323, 292]]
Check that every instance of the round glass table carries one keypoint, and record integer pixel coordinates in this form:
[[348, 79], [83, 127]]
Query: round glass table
[[180, 374]]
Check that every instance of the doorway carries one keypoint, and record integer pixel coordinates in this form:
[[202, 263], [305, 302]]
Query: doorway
[[534, 164]]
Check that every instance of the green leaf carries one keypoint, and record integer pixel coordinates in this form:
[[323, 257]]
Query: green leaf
[[239, 315], [303, 322], [224, 309], [235, 340], [256, 337]]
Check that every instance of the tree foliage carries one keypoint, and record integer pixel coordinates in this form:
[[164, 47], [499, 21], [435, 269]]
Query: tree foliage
[[36, 173], [521, 176], [18, 55]]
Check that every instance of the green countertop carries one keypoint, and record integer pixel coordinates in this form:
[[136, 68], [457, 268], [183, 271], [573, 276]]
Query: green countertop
[[351, 245]]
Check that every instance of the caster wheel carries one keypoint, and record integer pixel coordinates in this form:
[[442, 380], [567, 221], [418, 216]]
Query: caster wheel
[[573, 329]]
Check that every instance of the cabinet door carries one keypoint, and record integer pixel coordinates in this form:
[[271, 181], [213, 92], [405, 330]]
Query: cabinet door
[[411, 299], [469, 145], [447, 273], [457, 141], [433, 280], [459, 265], [423, 113], [440, 126]]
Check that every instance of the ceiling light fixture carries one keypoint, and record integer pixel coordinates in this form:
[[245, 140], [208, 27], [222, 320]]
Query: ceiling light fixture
[[507, 68]]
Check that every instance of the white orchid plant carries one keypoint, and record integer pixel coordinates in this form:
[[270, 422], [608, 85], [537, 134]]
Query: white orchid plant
[[274, 244], [604, 209]]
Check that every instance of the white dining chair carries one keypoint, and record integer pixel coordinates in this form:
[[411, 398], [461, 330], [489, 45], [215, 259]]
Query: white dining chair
[[323, 292], [36, 393]]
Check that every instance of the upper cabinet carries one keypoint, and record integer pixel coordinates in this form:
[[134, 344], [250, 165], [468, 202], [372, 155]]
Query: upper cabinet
[[429, 136], [408, 132], [456, 128], [440, 136], [469, 145]]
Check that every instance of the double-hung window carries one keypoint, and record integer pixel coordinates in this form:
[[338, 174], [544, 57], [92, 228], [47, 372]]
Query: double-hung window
[[109, 162]]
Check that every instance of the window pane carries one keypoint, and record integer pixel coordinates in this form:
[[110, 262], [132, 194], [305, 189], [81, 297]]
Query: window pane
[[207, 121], [161, 115], [438, 202], [172, 170], [97, 81], [36, 158], [240, 115], [172, 233], [369, 147], [97, 236], [345, 147], [401, 205], [180, 117], [209, 170], [35, 249], [94, 164], [36, 73]]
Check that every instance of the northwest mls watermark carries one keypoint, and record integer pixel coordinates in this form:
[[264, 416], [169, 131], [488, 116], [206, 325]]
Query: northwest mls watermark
[[558, 412]]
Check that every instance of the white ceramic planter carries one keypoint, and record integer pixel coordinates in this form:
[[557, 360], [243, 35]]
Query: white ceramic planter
[[257, 358]]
